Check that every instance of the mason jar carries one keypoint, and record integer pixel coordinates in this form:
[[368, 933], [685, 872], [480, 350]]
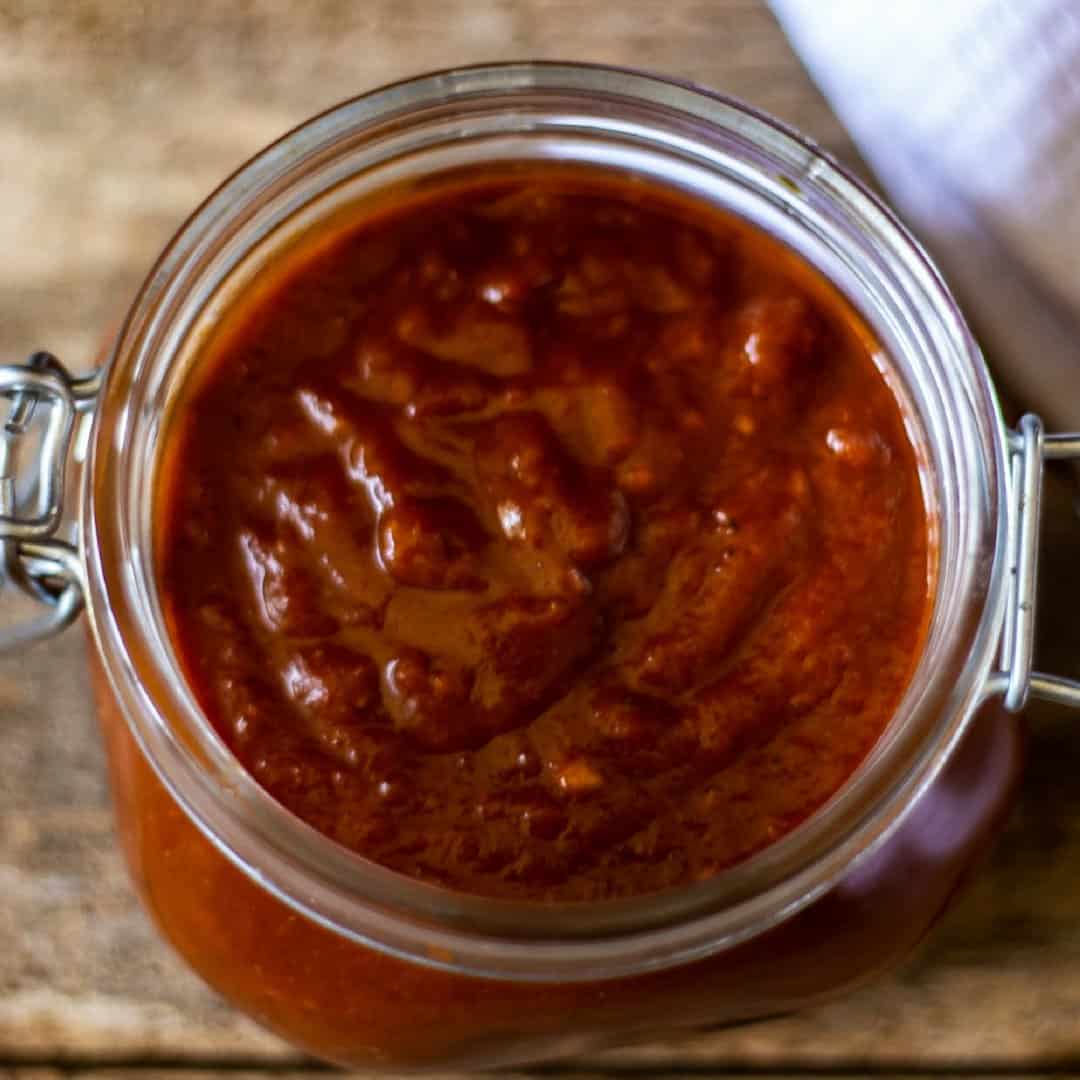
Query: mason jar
[[362, 966]]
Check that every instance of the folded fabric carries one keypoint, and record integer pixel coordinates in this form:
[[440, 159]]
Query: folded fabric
[[968, 111]]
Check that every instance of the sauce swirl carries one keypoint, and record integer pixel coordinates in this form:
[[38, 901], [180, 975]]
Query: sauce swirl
[[545, 537]]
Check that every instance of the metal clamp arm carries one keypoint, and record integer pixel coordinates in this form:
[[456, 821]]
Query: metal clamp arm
[[1029, 449], [32, 558]]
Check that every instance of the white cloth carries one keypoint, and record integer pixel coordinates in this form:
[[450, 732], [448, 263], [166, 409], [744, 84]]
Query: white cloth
[[968, 111]]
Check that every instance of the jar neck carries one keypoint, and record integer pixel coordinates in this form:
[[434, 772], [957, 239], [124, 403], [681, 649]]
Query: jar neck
[[600, 118]]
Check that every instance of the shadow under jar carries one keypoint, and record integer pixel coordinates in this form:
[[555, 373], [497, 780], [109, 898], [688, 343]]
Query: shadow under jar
[[367, 967]]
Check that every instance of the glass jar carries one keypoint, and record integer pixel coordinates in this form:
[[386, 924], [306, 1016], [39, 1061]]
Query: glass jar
[[363, 967]]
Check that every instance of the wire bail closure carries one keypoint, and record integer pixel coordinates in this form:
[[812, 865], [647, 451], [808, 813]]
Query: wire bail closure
[[33, 559], [1029, 449]]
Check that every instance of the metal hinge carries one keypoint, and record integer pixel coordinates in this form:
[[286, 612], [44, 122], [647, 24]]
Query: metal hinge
[[1029, 450], [44, 404]]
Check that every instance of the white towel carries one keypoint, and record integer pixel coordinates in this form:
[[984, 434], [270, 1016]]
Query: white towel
[[968, 111]]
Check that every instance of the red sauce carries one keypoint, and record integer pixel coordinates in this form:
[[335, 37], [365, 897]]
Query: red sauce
[[545, 537]]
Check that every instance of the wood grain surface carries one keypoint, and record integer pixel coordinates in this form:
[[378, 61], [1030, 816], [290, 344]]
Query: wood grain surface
[[116, 118]]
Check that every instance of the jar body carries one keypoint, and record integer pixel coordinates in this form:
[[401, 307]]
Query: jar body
[[363, 1008], [355, 968]]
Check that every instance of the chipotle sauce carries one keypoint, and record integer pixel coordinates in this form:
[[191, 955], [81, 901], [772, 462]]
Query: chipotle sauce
[[545, 537]]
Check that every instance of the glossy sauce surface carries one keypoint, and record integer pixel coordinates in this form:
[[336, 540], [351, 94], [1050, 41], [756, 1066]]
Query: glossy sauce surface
[[545, 537]]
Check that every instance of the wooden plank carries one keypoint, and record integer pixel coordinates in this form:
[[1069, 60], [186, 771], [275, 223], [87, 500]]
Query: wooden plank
[[121, 116]]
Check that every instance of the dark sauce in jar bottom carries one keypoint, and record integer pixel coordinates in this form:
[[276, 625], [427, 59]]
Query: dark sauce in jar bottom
[[545, 536]]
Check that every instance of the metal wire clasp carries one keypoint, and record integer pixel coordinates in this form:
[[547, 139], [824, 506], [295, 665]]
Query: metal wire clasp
[[44, 403], [1029, 450]]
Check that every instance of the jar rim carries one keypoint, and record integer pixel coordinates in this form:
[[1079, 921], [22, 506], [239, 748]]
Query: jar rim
[[366, 902]]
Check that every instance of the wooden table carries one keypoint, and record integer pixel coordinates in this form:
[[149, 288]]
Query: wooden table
[[114, 120]]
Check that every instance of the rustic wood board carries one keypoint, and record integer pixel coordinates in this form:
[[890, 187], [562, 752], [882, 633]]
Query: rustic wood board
[[115, 120]]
